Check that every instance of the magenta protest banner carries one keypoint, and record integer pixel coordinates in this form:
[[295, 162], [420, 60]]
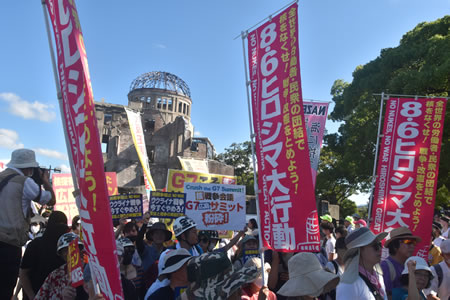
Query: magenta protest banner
[[315, 119], [284, 170], [82, 132], [408, 167]]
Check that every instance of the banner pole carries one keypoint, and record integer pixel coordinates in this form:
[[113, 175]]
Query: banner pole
[[60, 99], [252, 135], [369, 215]]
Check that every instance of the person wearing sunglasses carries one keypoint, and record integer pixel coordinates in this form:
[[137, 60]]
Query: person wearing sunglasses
[[401, 245], [361, 280]]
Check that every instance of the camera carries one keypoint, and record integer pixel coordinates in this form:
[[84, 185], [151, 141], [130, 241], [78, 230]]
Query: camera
[[38, 172]]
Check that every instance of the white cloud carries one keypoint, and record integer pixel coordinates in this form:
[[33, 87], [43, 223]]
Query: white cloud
[[9, 139], [51, 153], [197, 133], [160, 46], [64, 168], [28, 110]]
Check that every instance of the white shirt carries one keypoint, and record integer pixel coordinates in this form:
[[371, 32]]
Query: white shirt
[[357, 290], [443, 291], [30, 192], [329, 247], [445, 234]]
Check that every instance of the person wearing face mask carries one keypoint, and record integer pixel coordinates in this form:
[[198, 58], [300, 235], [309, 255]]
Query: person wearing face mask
[[251, 291], [17, 190], [126, 267]]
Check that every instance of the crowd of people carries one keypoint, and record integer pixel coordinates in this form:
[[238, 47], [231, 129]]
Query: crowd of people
[[174, 260]]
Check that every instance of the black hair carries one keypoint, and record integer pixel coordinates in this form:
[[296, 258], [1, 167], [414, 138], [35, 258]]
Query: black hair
[[327, 225], [393, 246], [57, 217], [129, 226], [342, 230], [404, 280], [75, 222], [340, 243], [254, 224]]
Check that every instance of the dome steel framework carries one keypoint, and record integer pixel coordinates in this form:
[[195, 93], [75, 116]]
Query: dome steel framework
[[161, 80]]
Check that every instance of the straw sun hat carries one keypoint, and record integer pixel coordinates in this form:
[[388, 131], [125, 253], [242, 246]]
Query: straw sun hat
[[307, 278], [359, 238]]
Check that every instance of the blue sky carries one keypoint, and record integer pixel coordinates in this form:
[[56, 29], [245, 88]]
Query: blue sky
[[193, 40]]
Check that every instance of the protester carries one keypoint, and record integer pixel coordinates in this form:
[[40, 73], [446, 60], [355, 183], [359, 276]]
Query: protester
[[251, 291], [128, 273], [330, 241], [348, 223], [17, 190], [326, 218], [307, 279], [360, 223], [444, 220], [360, 279], [416, 276], [249, 242], [57, 284], [434, 254], [356, 217], [341, 231], [401, 245], [40, 257], [186, 233], [175, 263], [205, 240], [337, 266], [436, 234], [279, 272], [162, 280], [212, 276], [252, 227], [440, 284], [76, 222]]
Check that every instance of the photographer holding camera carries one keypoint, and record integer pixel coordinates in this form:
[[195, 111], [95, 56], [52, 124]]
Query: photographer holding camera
[[17, 190]]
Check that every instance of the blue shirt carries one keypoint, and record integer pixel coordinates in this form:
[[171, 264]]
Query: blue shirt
[[402, 294]]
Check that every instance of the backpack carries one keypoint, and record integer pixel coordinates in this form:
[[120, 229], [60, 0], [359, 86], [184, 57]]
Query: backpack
[[6, 180], [440, 274]]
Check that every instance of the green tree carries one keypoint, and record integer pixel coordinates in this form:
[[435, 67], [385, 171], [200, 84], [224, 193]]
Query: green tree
[[420, 65], [346, 208], [239, 155]]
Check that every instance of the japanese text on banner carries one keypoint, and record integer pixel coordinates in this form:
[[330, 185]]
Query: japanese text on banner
[[284, 169], [408, 167]]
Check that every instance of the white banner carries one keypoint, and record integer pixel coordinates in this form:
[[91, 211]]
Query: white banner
[[216, 206], [134, 119]]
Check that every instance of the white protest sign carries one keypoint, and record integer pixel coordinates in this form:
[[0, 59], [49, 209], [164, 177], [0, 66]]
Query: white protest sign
[[216, 206]]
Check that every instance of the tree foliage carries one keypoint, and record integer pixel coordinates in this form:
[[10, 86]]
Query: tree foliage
[[420, 65], [239, 155]]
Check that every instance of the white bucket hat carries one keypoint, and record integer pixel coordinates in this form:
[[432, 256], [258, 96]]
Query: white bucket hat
[[307, 277], [23, 158], [359, 238], [174, 260], [421, 264]]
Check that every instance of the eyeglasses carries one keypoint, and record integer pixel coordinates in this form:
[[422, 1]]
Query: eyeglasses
[[409, 242], [377, 246]]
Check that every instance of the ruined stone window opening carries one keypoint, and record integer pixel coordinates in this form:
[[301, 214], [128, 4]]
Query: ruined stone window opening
[[187, 109], [105, 143], [149, 99], [184, 108], [172, 148], [180, 107], [150, 125], [151, 154], [159, 101], [108, 118], [164, 104], [180, 143], [169, 104]]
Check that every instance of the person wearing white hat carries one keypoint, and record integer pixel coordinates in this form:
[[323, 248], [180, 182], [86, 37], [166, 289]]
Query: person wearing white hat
[[360, 279], [17, 190], [440, 284], [307, 278], [415, 277], [175, 263]]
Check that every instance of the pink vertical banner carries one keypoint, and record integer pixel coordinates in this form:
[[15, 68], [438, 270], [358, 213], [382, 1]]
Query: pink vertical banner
[[82, 132], [315, 117], [408, 168], [288, 213]]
